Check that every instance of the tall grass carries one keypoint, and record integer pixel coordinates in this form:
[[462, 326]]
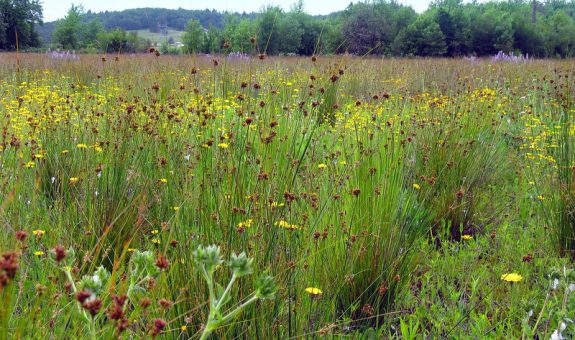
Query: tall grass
[[327, 183]]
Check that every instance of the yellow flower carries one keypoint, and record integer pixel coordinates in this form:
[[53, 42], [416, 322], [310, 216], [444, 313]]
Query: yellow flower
[[313, 291], [246, 224], [82, 146], [74, 180], [322, 166], [39, 253], [223, 145], [184, 328], [176, 208], [512, 277], [541, 197], [163, 180], [286, 225], [416, 186], [38, 232], [156, 241], [467, 237], [131, 250], [39, 156], [98, 149], [155, 232], [30, 165], [65, 152]]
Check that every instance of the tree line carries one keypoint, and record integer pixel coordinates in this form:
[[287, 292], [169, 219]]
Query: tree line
[[448, 28]]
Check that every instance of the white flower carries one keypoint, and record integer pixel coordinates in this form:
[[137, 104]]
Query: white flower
[[555, 284], [557, 334]]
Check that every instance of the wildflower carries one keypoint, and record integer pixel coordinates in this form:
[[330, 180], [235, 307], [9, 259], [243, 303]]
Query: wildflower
[[176, 208], [246, 224], [223, 146], [163, 180], [156, 241], [512, 277], [322, 166], [74, 180], [467, 237], [145, 302], [38, 232], [30, 164], [159, 325], [21, 235], [116, 310], [416, 186], [59, 253], [83, 295], [155, 232], [541, 197], [367, 309], [162, 263], [286, 225], [93, 306], [313, 291], [39, 253], [80, 146], [183, 328], [8, 268], [65, 152]]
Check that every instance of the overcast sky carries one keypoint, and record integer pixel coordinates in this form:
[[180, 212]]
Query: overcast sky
[[56, 9]]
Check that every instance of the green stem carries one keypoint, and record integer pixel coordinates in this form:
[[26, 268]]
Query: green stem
[[226, 291], [210, 282], [212, 324], [541, 313], [238, 309]]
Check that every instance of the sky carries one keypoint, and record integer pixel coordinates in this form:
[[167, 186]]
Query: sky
[[56, 9]]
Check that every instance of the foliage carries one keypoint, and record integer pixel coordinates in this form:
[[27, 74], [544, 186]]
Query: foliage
[[422, 38], [18, 20], [194, 37], [67, 30]]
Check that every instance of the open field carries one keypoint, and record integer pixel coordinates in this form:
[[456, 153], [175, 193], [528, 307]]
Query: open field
[[377, 197], [158, 38]]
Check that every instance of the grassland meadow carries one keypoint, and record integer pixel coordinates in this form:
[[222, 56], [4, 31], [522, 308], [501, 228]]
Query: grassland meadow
[[182, 197]]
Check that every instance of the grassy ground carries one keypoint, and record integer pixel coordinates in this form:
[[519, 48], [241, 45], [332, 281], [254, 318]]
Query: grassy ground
[[158, 38], [386, 198]]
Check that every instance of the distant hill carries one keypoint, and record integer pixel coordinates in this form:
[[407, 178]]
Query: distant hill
[[150, 19]]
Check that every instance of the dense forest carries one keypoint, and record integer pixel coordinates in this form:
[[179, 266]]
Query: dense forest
[[448, 28]]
